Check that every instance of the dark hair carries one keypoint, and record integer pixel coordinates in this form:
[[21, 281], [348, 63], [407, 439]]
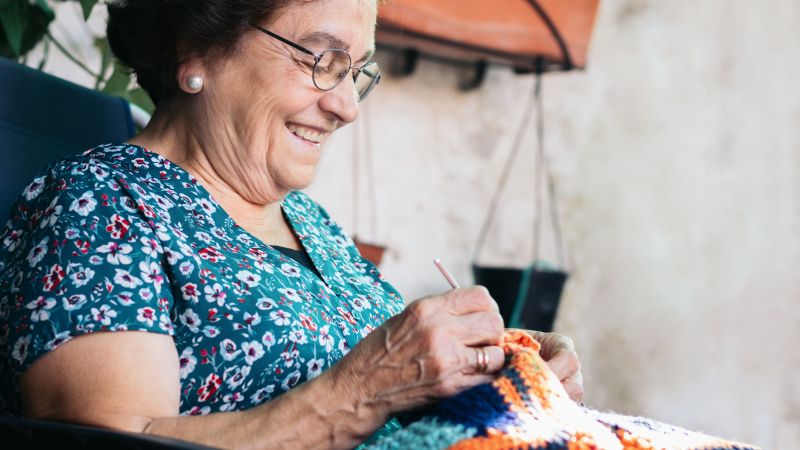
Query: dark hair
[[146, 35]]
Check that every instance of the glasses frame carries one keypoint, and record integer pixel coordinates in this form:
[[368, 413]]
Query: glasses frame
[[318, 57]]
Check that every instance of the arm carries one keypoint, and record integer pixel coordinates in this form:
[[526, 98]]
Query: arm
[[129, 381]]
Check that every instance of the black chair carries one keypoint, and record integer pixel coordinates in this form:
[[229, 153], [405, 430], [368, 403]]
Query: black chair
[[44, 119]]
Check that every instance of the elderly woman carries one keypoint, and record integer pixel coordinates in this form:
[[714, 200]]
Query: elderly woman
[[181, 285]]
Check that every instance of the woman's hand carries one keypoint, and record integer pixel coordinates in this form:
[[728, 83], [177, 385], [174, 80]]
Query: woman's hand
[[558, 351], [429, 351]]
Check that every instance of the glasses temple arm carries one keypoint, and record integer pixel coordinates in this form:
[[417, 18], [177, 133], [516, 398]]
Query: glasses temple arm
[[285, 41]]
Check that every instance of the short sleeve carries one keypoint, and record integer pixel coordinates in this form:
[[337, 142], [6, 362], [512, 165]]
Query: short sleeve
[[78, 256]]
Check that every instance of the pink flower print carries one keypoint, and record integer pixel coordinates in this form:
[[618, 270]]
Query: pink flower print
[[298, 336], [165, 324], [290, 270], [84, 204], [118, 226], [103, 315], [40, 308], [146, 315], [308, 322], [253, 351], [81, 276], [152, 274], [211, 254], [262, 394], [209, 387], [325, 338], [252, 319], [73, 302], [34, 189], [290, 294], [125, 298], [291, 380]]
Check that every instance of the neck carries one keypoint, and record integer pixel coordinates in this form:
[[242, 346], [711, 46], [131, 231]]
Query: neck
[[215, 159]]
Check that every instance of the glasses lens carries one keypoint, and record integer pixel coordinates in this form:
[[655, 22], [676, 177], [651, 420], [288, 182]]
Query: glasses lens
[[331, 69], [367, 78]]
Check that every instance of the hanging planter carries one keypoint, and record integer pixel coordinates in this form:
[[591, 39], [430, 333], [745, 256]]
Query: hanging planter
[[528, 297]]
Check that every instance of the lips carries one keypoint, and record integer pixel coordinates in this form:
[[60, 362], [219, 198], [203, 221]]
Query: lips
[[313, 135]]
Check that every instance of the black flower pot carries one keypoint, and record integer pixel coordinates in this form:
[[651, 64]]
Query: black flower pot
[[528, 298]]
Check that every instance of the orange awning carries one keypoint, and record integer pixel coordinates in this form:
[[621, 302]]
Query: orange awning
[[502, 31]]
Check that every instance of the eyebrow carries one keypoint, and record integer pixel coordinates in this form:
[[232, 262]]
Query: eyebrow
[[328, 40]]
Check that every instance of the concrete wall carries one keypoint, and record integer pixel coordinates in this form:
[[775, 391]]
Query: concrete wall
[[677, 159]]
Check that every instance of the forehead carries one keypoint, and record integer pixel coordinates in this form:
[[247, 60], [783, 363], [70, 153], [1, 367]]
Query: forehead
[[324, 24]]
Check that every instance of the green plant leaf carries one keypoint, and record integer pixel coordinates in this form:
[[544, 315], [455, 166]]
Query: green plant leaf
[[106, 59], [13, 18], [117, 83], [86, 6], [139, 97]]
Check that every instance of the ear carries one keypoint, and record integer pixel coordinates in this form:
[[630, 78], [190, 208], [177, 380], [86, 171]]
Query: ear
[[189, 72]]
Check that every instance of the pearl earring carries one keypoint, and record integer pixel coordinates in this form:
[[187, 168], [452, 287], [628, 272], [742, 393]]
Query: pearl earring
[[195, 83]]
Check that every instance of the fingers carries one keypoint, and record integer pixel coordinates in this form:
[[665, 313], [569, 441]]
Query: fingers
[[481, 328], [469, 300], [564, 364], [495, 359], [574, 386]]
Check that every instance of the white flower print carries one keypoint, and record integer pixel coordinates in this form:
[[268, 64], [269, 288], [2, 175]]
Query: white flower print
[[291, 294], [73, 302], [41, 307], [291, 380], [117, 253], [298, 336], [190, 319], [152, 274], [21, 348], [268, 339], [81, 276], [172, 257], [103, 315], [12, 240], [146, 315], [34, 189], [59, 339], [315, 367], [248, 278], [344, 347], [37, 253], [186, 268], [125, 298], [187, 361], [206, 205], [211, 331], [262, 394], [165, 324], [252, 319], [235, 376], [203, 236], [360, 303], [266, 304], [95, 260], [253, 351], [280, 318], [124, 278], [145, 294], [190, 293], [150, 246], [325, 338], [51, 214], [197, 411], [228, 349], [215, 294], [84, 204], [290, 270]]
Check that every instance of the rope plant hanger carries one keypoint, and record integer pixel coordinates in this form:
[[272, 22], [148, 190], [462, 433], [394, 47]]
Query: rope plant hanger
[[528, 297]]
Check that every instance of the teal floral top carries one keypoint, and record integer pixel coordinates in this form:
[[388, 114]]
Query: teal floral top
[[120, 238]]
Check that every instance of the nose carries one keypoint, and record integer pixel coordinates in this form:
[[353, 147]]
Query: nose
[[341, 102]]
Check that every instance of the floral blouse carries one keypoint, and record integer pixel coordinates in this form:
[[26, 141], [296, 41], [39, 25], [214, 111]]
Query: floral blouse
[[120, 238]]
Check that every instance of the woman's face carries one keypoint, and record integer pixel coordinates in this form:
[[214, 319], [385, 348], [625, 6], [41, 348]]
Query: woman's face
[[268, 108]]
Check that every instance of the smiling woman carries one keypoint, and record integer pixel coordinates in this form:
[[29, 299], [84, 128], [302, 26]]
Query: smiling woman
[[180, 284]]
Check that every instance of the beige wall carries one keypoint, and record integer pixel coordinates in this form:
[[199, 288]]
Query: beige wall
[[677, 156]]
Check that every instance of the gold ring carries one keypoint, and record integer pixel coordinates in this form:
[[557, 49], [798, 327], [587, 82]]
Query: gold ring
[[483, 360]]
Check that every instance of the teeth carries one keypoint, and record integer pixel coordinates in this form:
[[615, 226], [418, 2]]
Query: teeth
[[306, 133]]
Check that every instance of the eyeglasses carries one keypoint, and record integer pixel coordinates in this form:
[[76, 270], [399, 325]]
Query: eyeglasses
[[333, 65]]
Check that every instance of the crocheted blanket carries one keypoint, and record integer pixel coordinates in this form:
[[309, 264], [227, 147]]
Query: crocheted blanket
[[527, 408]]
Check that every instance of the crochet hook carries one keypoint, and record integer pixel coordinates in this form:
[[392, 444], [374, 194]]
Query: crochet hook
[[446, 273]]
